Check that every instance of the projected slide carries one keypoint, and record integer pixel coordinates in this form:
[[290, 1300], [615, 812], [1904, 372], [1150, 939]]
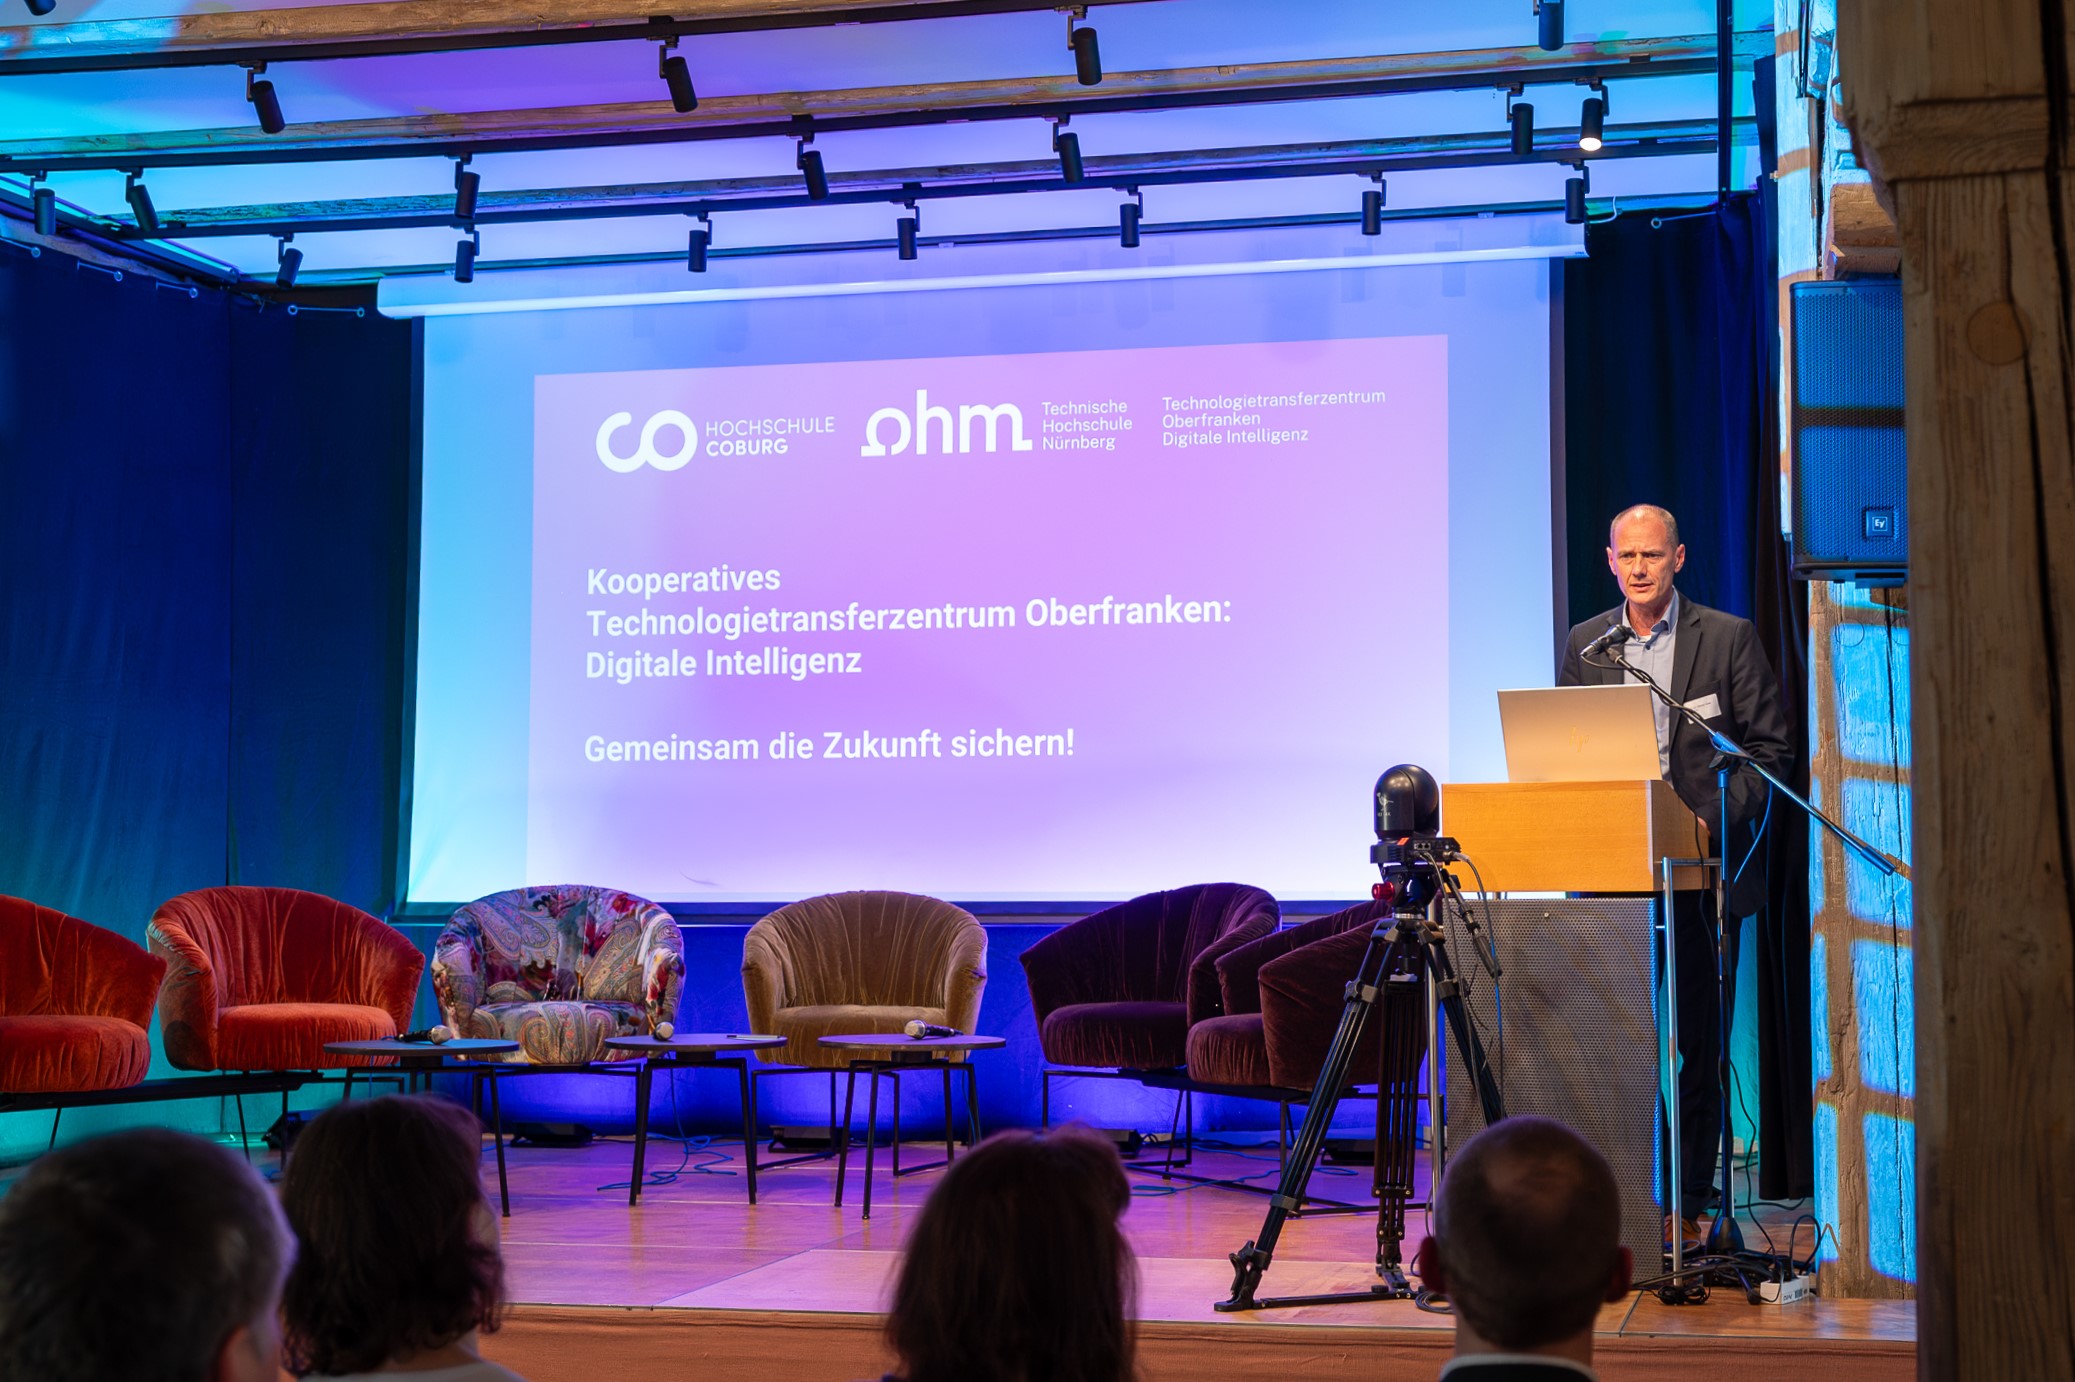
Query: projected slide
[[1027, 626]]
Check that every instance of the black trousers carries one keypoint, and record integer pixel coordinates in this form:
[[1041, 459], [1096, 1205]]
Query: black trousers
[[1700, 1047]]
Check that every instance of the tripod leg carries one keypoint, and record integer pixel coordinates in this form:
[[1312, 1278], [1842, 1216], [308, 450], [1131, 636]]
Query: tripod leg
[[1253, 1258], [1467, 1041], [1397, 1119]]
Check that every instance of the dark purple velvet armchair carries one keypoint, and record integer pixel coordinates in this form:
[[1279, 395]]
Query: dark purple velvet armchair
[[1120, 989], [1283, 996]]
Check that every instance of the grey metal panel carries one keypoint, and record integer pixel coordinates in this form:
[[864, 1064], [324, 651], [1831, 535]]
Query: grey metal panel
[[1578, 996]]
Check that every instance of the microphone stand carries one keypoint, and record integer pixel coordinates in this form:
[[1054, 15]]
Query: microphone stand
[[1723, 1233]]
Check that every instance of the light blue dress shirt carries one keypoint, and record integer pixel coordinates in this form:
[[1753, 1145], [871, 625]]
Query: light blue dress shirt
[[1654, 655]]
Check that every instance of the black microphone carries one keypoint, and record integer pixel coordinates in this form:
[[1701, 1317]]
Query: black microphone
[[1617, 632]]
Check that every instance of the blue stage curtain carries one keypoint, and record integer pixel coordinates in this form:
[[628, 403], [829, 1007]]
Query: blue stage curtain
[[204, 535], [1671, 371]]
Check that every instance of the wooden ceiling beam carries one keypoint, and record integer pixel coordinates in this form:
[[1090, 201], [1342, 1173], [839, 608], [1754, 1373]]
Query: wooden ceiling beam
[[1342, 158], [790, 114], [387, 28]]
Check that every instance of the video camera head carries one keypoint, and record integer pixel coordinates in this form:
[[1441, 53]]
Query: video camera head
[[1408, 802]]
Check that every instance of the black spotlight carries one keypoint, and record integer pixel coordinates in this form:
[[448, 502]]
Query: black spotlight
[[1127, 224], [465, 260], [1372, 211], [1069, 155], [44, 201], [42, 6], [1592, 123], [677, 75], [266, 102], [1087, 57], [1574, 200], [695, 251], [816, 173], [1550, 13], [139, 198], [904, 231], [1523, 121], [468, 185], [291, 265]]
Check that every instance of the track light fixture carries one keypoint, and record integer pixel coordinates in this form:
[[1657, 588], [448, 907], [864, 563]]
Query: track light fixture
[[43, 201], [139, 197], [905, 230], [701, 240], [1128, 217], [1549, 14], [1068, 146], [465, 252], [266, 102], [1372, 207], [1520, 116], [1592, 121], [1574, 196], [289, 262], [812, 168], [42, 6], [677, 75], [468, 185], [1087, 57]]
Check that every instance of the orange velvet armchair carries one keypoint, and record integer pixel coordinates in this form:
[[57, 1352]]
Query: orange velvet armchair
[[261, 978], [75, 1002]]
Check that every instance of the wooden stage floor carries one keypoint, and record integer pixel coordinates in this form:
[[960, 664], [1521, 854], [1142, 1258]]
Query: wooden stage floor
[[697, 1282]]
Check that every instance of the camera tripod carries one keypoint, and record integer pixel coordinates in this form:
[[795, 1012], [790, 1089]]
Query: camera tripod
[[1409, 945]]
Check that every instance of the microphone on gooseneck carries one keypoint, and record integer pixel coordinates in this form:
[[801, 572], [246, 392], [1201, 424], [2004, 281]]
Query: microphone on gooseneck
[[1617, 632]]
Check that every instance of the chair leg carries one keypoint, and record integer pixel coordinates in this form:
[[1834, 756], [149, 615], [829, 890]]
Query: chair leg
[[244, 1142], [749, 1126], [1045, 1101], [839, 1137], [895, 1076], [55, 1115], [872, 1133], [948, 1152]]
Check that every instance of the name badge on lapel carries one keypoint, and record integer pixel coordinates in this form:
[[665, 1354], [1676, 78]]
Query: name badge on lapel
[[1708, 707]]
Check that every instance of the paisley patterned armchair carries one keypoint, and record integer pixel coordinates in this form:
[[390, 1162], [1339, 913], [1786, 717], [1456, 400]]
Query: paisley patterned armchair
[[559, 970]]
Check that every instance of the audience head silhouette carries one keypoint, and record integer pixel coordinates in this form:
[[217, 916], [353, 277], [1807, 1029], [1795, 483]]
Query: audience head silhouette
[[146, 1256], [1017, 1269], [398, 1253], [1526, 1240]]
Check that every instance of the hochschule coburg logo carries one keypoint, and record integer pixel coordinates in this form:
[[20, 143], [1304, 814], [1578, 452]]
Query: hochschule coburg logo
[[666, 421]]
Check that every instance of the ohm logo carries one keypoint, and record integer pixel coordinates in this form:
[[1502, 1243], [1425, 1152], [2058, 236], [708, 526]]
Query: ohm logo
[[889, 431], [646, 454]]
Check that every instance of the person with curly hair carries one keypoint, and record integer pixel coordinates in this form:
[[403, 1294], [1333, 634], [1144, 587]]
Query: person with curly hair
[[1018, 1270], [398, 1270]]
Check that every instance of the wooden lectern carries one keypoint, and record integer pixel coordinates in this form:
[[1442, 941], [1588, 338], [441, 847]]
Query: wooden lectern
[[1574, 837]]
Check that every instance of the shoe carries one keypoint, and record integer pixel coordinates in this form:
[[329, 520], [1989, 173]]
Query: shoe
[[1691, 1235]]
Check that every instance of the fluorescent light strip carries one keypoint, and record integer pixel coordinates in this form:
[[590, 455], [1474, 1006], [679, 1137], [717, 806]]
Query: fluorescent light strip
[[939, 285]]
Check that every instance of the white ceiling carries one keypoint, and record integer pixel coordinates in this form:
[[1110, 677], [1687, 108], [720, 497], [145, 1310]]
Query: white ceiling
[[1155, 35]]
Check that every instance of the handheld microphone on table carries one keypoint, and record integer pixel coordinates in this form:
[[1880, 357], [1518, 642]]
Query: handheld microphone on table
[[924, 1031], [664, 1031], [433, 1036]]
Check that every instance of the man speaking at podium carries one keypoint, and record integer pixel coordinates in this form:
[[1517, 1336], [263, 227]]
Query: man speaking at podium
[[1711, 662]]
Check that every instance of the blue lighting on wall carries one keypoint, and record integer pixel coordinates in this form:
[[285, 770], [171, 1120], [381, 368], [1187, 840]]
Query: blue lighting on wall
[[1891, 1195], [1819, 1007], [1826, 1178], [1885, 1002]]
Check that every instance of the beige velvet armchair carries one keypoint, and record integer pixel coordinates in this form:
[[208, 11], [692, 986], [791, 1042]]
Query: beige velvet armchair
[[862, 962]]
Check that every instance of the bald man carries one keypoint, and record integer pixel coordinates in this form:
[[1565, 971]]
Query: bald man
[[1713, 663], [1526, 1246]]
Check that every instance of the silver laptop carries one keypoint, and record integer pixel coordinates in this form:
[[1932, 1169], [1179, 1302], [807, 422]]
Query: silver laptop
[[1579, 734]]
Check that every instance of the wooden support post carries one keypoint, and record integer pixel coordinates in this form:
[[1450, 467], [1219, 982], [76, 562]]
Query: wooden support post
[[1961, 110]]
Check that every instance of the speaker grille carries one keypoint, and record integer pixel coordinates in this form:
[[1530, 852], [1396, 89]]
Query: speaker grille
[[1850, 510], [1579, 1000]]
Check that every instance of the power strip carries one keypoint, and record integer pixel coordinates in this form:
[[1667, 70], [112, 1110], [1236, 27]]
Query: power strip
[[1786, 1292]]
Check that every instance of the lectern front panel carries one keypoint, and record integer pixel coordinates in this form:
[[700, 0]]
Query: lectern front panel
[[1578, 998]]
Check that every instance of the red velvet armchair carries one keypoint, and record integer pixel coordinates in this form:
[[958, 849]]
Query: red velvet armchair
[[262, 978], [75, 1002], [1283, 998], [1121, 989]]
